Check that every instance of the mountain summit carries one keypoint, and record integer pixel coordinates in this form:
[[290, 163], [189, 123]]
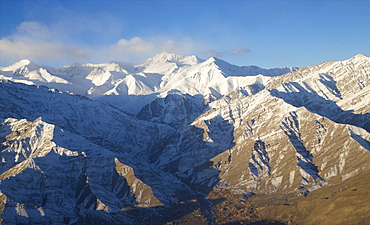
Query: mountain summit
[[177, 139]]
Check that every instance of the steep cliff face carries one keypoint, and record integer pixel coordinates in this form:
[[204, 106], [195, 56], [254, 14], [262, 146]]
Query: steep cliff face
[[66, 158]]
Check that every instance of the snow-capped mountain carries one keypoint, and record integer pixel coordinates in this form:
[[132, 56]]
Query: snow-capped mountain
[[154, 77], [154, 142]]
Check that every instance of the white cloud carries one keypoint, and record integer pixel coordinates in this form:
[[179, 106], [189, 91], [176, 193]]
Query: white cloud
[[32, 30], [240, 50], [26, 49], [32, 40], [136, 48], [184, 46], [133, 46]]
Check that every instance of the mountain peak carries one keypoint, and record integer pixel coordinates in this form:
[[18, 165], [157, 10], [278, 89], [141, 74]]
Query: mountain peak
[[25, 62], [165, 54], [73, 64], [219, 62], [211, 59], [22, 63], [359, 56], [165, 57]]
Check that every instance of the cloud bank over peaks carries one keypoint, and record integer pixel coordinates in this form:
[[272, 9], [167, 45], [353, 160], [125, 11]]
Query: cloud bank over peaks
[[136, 48], [49, 44], [34, 40]]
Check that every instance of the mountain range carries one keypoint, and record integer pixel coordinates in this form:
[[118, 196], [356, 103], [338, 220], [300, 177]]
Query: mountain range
[[178, 139]]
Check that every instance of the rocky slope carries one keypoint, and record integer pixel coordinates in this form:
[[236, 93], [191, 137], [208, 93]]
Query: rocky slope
[[282, 142], [309, 120]]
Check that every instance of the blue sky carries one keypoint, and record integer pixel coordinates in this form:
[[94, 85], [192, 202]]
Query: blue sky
[[264, 33]]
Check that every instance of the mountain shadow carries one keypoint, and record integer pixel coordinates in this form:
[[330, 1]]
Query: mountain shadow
[[102, 133], [324, 107]]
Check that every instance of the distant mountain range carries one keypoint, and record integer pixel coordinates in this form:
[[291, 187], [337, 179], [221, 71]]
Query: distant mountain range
[[178, 139], [154, 77]]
